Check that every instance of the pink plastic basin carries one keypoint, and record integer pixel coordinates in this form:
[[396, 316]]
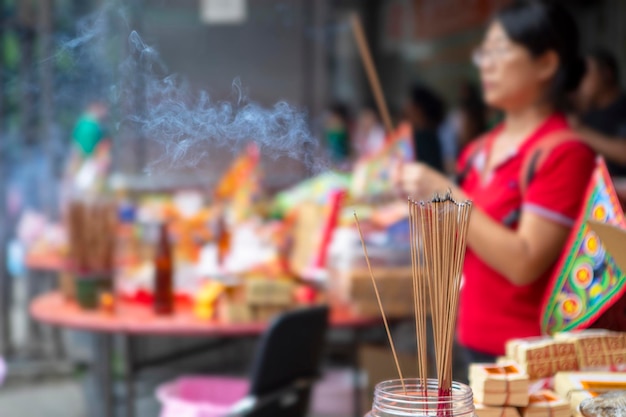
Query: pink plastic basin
[[201, 396]]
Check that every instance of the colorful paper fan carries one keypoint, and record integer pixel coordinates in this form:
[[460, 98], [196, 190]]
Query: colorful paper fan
[[242, 167], [241, 184], [372, 175], [588, 280]]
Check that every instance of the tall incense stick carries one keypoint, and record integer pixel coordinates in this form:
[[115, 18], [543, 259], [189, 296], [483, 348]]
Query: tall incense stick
[[370, 69], [380, 304]]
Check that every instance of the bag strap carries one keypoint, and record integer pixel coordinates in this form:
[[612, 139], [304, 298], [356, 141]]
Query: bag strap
[[538, 154], [533, 161], [474, 149]]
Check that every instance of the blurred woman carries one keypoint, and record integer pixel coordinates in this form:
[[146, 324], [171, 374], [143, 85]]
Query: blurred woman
[[603, 124], [528, 64], [472, 116]]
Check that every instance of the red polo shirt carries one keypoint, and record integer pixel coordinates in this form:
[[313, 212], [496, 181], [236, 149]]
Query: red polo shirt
[[493, 310]]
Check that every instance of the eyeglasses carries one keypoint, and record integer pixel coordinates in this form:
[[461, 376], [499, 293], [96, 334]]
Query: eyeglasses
[[482, 55]]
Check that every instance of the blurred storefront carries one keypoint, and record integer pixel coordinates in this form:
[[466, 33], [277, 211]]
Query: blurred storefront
[[431, 41]]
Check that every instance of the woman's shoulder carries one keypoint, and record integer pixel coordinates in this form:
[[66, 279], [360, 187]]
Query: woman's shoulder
[[565, 142], [560, 138], [569, 155]]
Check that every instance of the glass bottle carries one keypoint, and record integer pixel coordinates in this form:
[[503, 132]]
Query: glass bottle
[[390, 400], [163, 274], [222, 236]]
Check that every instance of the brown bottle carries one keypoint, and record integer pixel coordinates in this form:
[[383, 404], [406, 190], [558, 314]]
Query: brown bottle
[[223, 240], [163, 274]]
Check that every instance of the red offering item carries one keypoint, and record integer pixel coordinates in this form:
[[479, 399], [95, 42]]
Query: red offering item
[[306, 294], [163, 276], [336, 199]]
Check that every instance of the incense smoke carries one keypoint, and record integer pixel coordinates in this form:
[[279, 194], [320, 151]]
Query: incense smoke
[[189, 125]]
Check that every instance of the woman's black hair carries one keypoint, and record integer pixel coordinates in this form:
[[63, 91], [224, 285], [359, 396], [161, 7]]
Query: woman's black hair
[[541, 26], [430, 104], [607, 64]]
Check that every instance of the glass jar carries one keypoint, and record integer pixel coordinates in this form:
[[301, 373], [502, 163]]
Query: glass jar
[[390, 400]]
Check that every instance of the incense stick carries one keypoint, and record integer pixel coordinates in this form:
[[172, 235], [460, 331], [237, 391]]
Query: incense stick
[[419, 295], [380, 304], [370, 69]]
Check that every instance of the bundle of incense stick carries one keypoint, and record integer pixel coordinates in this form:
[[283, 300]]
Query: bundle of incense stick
[[438, 232], [91, 234], [440, 225]]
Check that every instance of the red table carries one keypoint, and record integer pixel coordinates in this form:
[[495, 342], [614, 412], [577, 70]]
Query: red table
[[45, 262], [132, 318], [133, 321]]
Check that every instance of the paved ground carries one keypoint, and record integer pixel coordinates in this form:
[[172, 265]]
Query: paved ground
[[65, 397]]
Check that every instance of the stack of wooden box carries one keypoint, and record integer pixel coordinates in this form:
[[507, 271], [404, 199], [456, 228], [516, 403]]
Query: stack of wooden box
[[498, 389], [543, 357], [579, 386], [597, 349], [502, 390], [546, 403], [590, 350]]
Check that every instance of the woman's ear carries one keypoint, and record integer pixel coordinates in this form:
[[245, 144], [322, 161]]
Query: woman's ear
[[547, 65]]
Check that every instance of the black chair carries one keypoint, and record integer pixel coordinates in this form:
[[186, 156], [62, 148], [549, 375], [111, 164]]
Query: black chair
[[285, 366]]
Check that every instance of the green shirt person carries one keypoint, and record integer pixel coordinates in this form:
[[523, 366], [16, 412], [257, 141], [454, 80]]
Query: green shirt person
[[88, 131], [337, 133]]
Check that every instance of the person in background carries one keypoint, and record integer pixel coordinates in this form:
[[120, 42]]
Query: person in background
[[90, 155], [464, 123], [89, 129], [337, 133], [472, 116], [529, 65], [425, 111], [603, 122], [369, 135]]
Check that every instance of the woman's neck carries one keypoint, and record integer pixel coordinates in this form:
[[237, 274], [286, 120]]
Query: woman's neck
[[521, 123]]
